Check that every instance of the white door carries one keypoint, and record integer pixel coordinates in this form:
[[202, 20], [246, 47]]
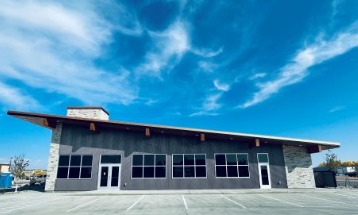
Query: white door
[[109, 177], [109, 174], [264, 170]]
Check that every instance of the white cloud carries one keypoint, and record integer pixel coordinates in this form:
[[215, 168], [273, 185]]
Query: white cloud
[[207, 53], [12, 98], [209, 106], [52, 47], [257, 76], [313, 54], [207, 66], [337, 108], [168, 46], [221, 86]]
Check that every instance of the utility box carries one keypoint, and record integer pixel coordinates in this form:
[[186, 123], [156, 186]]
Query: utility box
[[5, 180]]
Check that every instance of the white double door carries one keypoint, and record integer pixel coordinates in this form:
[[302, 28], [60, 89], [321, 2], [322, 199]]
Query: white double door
[[109, 176]]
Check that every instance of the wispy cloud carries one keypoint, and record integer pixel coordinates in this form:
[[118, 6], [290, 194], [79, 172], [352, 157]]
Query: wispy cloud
[[50, 46], [14, 98], [207, 53], [221, 86], [313, 54], [168, 49], [207, 66], [209, 106], [336, 109], [257, 76]]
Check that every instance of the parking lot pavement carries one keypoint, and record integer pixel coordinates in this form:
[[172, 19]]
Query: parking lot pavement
[[194, 202]]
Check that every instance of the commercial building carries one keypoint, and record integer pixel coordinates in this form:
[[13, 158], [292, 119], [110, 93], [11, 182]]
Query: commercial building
[[89, 152]]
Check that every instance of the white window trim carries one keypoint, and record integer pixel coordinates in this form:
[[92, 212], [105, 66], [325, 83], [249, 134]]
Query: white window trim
[[248, 165], [69, 166], [206, 169], [155, 159]]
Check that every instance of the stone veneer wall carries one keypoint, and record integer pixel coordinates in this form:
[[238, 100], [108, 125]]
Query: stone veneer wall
[[298, 165], [89, 113], [53, 158]]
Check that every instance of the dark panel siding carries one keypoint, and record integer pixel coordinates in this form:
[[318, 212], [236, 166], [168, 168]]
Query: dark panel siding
[[79, 140]]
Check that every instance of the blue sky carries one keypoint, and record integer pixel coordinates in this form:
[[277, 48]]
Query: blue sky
[[283, 68]]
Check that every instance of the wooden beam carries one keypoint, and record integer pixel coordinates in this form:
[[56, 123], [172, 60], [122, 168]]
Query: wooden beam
[[202, 137], [48, 123], [94, 127], [257, 142], [147, 132], [314, 149]]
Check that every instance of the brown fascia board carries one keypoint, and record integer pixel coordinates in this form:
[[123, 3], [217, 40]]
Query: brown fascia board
[[183, 131]]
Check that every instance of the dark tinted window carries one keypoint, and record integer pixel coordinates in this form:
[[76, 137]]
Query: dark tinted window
[[74, 172], [263, 158], [220, 159], [242, 158], [62, 172], [86, 172], [244, 171], [160, 172], [188, 159], [178, 160], [200, 159], [64, 160], [232, 171], [178, 172], [137, 172], [220, 171], [148, 160], [111, 159], [160, 160], [87, 160], [231, 159], [189, 172], [75, 160], [200, 171], [137, 160], [148, 172]]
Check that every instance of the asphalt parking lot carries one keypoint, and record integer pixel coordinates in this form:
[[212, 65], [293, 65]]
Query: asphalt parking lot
[[322, 201]]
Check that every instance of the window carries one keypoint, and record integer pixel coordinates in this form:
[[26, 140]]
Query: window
[[262, 157], [189, 166], [149, 166], [109, 159], [232, 165], [75, 166]]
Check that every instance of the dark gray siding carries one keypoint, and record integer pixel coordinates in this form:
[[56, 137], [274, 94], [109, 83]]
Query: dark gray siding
[[79, 140]]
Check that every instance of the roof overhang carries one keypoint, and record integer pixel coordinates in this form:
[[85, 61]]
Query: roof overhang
[[50, 121]]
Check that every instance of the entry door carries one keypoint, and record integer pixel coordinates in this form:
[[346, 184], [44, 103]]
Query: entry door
[[109, 176], [264, 170]]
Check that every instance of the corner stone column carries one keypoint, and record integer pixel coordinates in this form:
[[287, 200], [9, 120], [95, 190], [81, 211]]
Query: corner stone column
[[298, 165], [53, 158]]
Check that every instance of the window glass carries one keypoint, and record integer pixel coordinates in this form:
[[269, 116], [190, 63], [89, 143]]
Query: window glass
[[64, 160], [232, 165], [178, 172], [220, 159], [178, 160], [137, 172], [231, 159], [148, 160], [137, 160], [160, 160], [188, 159], [86, 172], [87, 160], [189, 166], [74, 172], [160, 172], [242, 159], [232, 171], [75, 166], [221, 171], [200, 159], [62, 172], [148, 166], [263, 158], [111, 159], [75, 160]]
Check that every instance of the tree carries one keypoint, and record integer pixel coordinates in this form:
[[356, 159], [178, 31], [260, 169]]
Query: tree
[[331, 161], [18, 165], [39, 172]]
